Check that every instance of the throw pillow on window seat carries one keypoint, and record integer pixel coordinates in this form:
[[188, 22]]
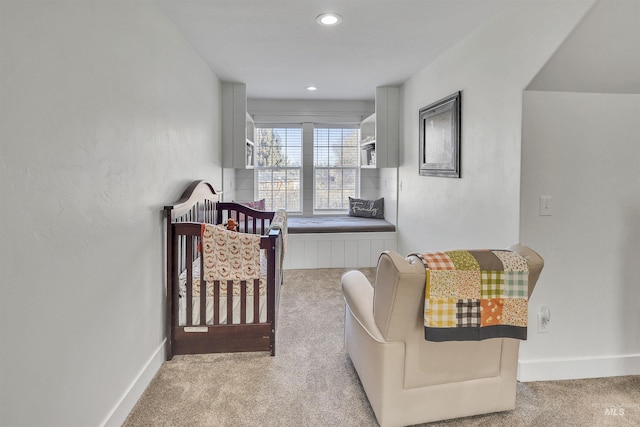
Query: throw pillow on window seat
[[366, 208]]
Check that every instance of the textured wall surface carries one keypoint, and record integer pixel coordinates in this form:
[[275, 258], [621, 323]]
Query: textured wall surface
[[581, 149], [107, 114], [491, 68]]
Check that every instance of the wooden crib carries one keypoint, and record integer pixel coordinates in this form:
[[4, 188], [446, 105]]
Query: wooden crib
[[243, 319]]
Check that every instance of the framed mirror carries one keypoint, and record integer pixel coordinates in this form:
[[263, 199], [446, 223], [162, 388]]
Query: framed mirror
[[440, 125]]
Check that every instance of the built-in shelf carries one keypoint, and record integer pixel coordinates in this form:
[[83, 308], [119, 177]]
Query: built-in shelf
[[250, 146], [368, 149], [368, 144], [238, 129], [380, 132], [250, 150]]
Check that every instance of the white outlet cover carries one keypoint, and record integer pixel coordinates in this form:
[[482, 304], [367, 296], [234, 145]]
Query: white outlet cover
[[545, 205], [543, 324]]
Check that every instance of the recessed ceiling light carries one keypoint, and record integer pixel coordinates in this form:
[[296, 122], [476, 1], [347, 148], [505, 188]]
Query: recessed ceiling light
[[312, 88], [329, 19]]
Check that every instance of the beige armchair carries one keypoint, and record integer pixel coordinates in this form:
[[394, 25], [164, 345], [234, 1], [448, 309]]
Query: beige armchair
[[409, 380]]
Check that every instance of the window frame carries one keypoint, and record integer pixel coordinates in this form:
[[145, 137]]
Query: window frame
[[299, 168], [355, 168]]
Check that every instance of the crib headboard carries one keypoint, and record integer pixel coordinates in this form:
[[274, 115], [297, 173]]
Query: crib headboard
[[197, 204]]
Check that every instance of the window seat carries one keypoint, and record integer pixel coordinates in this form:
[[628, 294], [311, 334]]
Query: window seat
[[336, 224]]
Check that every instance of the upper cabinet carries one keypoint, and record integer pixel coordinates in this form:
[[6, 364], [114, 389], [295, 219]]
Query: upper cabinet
[[238, 129], [380, 132]]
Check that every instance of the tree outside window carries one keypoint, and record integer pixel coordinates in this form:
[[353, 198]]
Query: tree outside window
[[336, 167], [279, 167]]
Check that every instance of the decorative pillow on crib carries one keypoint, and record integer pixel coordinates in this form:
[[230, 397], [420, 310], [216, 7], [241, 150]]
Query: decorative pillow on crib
[[366, 208], [258, 205], [253, 204]]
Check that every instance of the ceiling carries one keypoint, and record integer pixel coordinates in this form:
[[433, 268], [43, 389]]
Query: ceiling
[[601, 55], [277, 48]]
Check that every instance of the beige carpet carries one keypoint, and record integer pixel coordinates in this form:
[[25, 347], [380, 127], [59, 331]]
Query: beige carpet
[[311, 381]]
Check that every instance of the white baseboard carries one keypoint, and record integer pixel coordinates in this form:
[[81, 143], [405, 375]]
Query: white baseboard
[[577, 368], [119, 413]]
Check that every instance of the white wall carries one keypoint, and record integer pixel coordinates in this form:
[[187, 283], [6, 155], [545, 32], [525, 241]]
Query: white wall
[[382, 182], [107, 114], [229, 183], [491, 68], [582, 150]]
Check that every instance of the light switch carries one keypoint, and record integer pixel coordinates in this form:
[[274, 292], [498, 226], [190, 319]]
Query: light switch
[[545, 205]]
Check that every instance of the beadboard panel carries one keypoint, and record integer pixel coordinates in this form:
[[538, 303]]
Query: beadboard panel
[[337, 250]]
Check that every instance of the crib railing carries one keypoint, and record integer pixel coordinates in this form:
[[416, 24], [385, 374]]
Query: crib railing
[[200, 204], [185, 238], [249, 220], [185, 256]]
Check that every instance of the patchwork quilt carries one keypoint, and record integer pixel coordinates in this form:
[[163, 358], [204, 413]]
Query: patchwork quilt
[[472, 295]]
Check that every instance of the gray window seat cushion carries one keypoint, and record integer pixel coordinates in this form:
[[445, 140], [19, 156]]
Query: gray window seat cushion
[[336, 224]]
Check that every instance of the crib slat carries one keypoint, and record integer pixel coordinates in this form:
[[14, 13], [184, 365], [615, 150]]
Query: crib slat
[[216, 302], [256, 300], [174, 273], [243, 301], [229, 302], [210, 211], [189, 284], [203, 294], [181, 252]]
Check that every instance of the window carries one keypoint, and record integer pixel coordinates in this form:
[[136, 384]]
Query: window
[[279, 167], [335, 167], [333, 172]]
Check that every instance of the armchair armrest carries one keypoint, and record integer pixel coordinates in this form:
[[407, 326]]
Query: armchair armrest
[[358, 295], [535, 261]]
